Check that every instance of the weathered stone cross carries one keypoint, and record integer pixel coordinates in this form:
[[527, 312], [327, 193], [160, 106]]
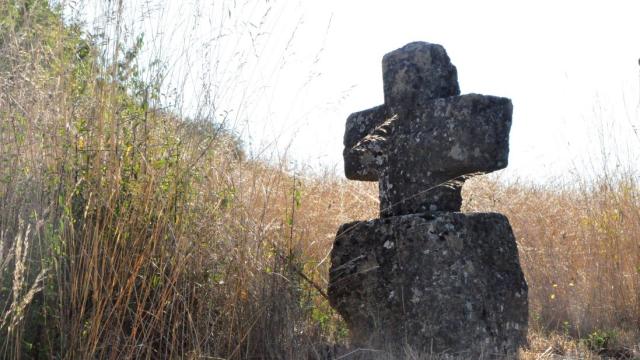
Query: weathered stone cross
[[434, 280], [425, 139]]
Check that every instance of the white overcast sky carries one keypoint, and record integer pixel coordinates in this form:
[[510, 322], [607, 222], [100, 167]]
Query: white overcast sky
[[291, 77]]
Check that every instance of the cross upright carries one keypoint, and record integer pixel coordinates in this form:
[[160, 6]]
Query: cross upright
[[426, 138]]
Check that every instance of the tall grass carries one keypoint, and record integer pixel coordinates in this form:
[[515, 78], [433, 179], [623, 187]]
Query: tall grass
[[128, 231], [151, 236]]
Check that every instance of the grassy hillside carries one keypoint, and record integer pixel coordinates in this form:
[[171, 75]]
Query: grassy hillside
[[127, 232]]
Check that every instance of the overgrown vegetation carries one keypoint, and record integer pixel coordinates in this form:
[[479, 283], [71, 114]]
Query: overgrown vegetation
[[128, 232]]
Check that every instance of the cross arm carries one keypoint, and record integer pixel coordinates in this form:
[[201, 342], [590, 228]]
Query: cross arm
[[435, 147], [358, 160], [454, 136]]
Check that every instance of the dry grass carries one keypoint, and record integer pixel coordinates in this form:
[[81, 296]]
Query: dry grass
[[158, 238], [127, 232]]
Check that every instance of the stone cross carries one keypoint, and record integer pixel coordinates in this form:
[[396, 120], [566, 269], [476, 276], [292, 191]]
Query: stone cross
[[425, 139], [434, 280]]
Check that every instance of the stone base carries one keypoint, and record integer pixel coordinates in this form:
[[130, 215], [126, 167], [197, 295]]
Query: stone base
[[432, 282]]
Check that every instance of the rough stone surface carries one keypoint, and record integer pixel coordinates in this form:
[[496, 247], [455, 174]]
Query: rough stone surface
[[443, 140], [415, 73], [439, 282], [424, 275], [412, 75], [442, 136], [359, 125]]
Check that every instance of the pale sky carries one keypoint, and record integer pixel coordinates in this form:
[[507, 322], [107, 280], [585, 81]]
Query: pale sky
[[295, 74]]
